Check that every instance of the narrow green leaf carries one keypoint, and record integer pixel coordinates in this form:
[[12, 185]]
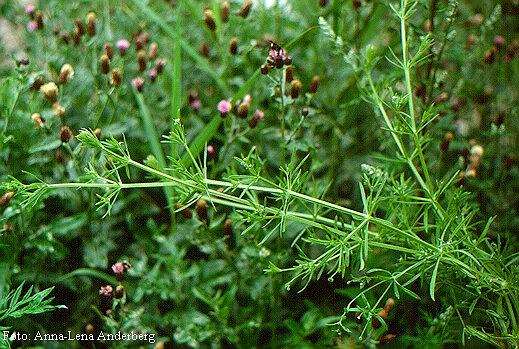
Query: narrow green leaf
[[154, 140], [432, 285]]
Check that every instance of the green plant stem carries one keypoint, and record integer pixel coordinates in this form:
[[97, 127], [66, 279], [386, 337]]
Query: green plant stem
[[156, 148]]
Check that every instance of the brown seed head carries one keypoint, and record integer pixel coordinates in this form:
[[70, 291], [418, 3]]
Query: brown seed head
[[104, 63], [201, 210], [65, 134], [66, 73], [109, 50], [6, 198], [141, 60], [289, 74], [154, 50], [116, 77], [295, 88], [91, 23], [245, 8], [233, 46], [314, 85], [224, 11], [209, 20], [50, 91], [38, 120]]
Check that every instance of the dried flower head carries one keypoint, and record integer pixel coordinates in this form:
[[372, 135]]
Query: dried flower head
[[91, 23], [159, 65], [209, 20], [66, 73], [314, 85], [141, 60], [224, 11], [245, 8], [104, 63], [38, 119], [295, 88], [109, 50], [6, 198], [50, 91], [201, 210], [65, 134], [116, 77], [119, 291], [233, 46], [153, 50], [58, 109]]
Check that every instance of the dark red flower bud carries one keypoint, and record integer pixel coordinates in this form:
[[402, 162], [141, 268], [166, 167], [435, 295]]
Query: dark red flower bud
[[105, 64], [91, 23], [295, 88], [265, 68], [117, 77], [204, 50], [6, 198], [245, 8], [201, 210], [256, 118], [314, 85], [209, 20], [233, 46], [141, 60], [65, 134], [119, 292], [224, 11], [289, 74], [109, 50]]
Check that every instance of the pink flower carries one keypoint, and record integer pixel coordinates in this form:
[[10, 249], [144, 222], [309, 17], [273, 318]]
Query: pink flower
[[32, 26], [196, 104], [138, 83], [211, 151], [122, 45], [106, 291], [119, 268], [224, 107], [29, 9], [152, 74]]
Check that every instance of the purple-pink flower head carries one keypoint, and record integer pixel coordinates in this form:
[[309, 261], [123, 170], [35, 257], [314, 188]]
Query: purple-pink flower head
[[32, 26], [196, 104], [29, 9], [122, 45], [224, 107], [106, 291], [138, 84], [118, 268]]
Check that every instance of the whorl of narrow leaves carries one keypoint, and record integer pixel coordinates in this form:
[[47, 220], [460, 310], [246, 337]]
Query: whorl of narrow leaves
[[15, 305]]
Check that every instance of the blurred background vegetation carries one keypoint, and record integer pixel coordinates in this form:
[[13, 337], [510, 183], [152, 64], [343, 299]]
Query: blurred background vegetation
[[199, 286]]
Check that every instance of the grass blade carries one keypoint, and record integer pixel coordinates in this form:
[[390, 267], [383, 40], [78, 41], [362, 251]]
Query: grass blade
[[154, 140]]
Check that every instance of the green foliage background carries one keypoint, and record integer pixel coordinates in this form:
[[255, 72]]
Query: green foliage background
[[192, 284]]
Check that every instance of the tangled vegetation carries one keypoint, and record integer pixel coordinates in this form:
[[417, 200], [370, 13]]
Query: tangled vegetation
[[245, 174]]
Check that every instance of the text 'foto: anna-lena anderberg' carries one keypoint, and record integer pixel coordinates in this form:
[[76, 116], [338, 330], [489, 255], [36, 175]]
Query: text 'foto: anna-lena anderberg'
[[69, 336]]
